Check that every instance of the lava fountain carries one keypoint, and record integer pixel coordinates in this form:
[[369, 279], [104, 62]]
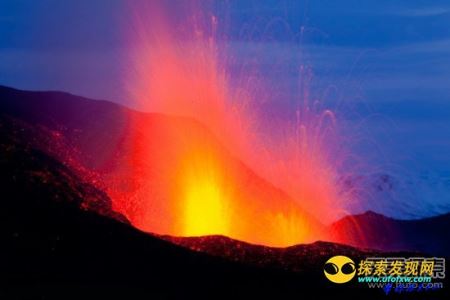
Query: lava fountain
[[199, 163]]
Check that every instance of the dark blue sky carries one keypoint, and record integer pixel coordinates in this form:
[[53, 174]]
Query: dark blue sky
[[389, 61], [396, 49]]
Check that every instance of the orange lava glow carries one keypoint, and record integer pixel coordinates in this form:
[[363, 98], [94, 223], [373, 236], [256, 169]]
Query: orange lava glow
[[199, 164]]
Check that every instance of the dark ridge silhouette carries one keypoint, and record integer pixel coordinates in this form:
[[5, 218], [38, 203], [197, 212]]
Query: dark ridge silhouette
[[298, 258]]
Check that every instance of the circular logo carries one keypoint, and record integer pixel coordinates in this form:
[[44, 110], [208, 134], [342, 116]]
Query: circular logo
[[339, 269]]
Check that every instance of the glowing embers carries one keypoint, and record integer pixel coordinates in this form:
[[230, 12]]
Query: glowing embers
[[221, 196], [205, 207], [177, 179], [292, 228]]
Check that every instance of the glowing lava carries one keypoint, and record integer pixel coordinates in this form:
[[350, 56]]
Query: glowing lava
[[202, 168]]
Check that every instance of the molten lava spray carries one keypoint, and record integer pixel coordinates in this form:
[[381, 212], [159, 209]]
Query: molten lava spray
[[202, 166]]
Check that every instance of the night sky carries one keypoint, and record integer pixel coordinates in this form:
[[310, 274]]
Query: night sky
[[387, 61]]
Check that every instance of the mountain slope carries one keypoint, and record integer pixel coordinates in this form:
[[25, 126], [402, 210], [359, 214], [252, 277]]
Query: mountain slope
[[376, 231], [154, 167]]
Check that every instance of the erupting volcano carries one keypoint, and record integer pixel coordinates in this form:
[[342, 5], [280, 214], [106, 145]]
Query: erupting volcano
[[204, 165], [223, 149]]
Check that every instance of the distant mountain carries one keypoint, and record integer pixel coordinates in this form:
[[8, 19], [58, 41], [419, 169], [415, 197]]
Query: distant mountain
[[372, 230]]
